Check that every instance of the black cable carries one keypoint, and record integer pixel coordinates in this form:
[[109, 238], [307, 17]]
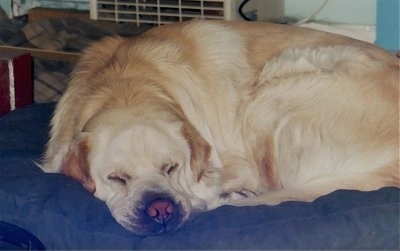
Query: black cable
[[241, 10]]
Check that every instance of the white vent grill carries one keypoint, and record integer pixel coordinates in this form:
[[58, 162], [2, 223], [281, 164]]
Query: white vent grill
[[159, 12]]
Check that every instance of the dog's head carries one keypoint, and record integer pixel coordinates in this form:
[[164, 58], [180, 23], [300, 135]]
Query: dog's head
[[123, 134], [151, 168]]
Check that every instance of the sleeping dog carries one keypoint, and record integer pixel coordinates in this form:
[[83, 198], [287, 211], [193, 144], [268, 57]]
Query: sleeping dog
[[191, 116]]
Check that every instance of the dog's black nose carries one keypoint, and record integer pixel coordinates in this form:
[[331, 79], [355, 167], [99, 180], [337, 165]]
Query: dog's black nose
[[161, 210]]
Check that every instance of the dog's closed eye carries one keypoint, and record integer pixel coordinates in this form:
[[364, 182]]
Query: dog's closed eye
[[168, 169], [119, 177]]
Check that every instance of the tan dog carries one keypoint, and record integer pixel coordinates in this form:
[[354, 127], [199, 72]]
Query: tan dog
[[190, 116]]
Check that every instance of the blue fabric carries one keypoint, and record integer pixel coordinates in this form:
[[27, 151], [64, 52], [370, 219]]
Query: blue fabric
[[63, 215], [14, 237]]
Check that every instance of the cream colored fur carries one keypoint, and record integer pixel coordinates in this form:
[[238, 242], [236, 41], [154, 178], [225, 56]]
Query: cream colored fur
[[250, 113]]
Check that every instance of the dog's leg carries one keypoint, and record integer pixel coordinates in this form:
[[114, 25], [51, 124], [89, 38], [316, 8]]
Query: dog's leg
[[388, 176], [236, 174]]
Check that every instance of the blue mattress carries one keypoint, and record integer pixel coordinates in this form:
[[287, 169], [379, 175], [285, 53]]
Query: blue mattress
[[61, 214]]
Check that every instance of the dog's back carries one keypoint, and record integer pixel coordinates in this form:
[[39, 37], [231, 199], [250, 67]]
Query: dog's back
[[323, 119]]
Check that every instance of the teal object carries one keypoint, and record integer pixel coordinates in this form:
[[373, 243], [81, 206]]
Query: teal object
[[388, 24]]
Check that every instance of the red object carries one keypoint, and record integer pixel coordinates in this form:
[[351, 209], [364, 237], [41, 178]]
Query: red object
[[16, 85]]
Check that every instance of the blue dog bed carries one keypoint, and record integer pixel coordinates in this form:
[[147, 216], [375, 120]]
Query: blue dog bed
[[61, 214]]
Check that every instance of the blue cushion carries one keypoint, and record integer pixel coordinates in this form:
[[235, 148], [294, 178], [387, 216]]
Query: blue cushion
[[13, 238], [63, 215]]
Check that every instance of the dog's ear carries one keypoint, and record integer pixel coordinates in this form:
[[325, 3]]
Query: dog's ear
[[76, 164], [200, 150]]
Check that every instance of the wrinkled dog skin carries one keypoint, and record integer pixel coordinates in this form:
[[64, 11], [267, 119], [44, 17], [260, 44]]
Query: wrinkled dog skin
[[191, 116]]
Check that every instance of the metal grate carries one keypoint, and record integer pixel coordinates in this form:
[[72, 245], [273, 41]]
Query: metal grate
[[159, 12]]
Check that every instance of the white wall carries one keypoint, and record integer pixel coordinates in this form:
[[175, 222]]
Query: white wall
[[266, 9], [6, 6], [335, 11]]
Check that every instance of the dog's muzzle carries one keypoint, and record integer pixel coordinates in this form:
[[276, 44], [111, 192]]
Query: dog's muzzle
[[156, 213]]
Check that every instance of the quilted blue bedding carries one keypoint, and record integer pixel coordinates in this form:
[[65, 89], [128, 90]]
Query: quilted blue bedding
[[61, 214]]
